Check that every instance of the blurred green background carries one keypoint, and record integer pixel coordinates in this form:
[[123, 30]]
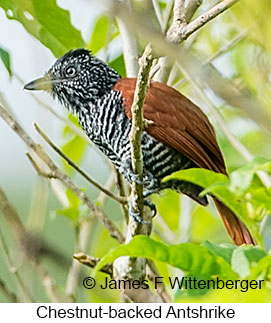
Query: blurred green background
[[235, 46]]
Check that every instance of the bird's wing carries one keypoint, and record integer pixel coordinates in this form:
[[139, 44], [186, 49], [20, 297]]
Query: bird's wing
[[177, 122]]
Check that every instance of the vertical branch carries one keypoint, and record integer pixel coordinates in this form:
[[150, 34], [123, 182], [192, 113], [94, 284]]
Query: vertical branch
[[127, 267], [12, 266], [82, 239], [129, 41], [179, 12], [137, 126]]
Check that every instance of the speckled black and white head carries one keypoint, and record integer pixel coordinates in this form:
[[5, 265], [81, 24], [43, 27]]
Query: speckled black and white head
[[76, 79]]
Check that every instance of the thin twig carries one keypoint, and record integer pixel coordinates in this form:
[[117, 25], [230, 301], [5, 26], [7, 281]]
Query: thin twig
[[239, 147], [55, 172], [178, 35], [191, 7], [119, 199], [82, 237], [13, 268], [208, 75], [49, 283], [71, 125], [158, 12], [92, 263], [19, 231], [183, 12], [167, 16], [8, 293], [236, 40], [109, 186]]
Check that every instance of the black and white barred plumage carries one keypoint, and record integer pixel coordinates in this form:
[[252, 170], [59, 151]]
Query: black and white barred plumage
[[84, 84]]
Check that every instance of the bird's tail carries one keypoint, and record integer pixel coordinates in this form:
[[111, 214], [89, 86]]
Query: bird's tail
[[235, 228]]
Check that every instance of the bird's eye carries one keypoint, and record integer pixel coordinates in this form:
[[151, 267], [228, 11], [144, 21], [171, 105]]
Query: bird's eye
[[70, 71]]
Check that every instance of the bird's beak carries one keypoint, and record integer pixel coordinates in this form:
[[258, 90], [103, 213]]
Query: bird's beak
[[44, 83]]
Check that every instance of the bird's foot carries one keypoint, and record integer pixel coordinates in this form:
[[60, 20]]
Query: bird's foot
[[136, 178], [151, 206], [148, 180], [137, 216]]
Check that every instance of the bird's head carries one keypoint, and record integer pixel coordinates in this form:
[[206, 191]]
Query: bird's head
[[77, 79]]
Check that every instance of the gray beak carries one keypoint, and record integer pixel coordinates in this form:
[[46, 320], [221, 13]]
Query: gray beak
[[44, 83]]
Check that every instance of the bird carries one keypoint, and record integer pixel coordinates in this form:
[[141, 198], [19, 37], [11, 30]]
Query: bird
[[178, 136]]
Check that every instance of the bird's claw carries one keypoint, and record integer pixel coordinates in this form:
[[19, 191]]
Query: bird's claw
[[136, 215], [152, 207], [149, 180], [136, 178]]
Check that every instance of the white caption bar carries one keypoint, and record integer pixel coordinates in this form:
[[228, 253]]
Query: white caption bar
[[173, 312]]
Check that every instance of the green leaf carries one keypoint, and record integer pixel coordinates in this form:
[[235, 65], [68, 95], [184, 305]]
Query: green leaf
[[242, 178], [75, 146], [99, 35], [168, 205], [118, 64], [244, 257], [73, 211], [45, 21], [75, 150], [5, 58], [218, 185], [205, 225], [262, 270], [224, 250], [189, 257]]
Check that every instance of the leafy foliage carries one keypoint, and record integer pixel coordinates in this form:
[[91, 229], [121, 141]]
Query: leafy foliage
[[246, 63], [5, 58], [242, 192], [45, 21], [104, 31], [189, 257], [207, 261]]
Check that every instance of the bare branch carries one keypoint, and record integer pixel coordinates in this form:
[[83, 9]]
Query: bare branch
[[137, 126], [236, 40], [158, 12], [167, 16], [206, 74], [129, 40], [177, 35], [55, 172], [8, 293], [92, 263], [191, 7], [179, 12], [19, 231], [132, 294], [12, 266], [49, 283], [82, 244]]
